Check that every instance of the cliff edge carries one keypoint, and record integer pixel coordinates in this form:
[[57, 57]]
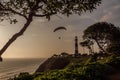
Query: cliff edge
[[53, 63]]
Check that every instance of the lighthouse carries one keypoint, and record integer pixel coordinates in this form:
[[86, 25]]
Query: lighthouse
[[76, 47]]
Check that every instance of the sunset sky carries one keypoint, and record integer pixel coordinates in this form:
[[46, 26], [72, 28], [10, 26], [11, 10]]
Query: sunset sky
[[40, 41]]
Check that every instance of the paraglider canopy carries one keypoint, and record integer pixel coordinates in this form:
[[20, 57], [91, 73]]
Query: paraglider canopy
[[59, 28]]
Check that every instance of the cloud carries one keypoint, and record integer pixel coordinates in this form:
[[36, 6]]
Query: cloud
[[117, 7], [110, 12], [106, 17]]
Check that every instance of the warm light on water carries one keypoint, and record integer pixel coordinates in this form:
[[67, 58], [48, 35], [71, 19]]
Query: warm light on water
[[12, 67]]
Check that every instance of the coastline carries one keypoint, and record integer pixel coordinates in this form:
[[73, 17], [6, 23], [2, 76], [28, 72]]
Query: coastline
[[11, 67]]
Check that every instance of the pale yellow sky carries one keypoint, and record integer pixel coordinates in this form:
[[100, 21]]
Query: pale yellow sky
[[40, 41]]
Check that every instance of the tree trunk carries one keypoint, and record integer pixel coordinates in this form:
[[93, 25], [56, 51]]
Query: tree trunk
[[92, 47], [15, 36], [100, 46], [83, 50]]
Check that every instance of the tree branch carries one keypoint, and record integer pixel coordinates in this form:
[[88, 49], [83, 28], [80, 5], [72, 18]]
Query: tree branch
[[100, 46], [15, 12], [15, 36], [43, 15], [29, 4], [11, 10]]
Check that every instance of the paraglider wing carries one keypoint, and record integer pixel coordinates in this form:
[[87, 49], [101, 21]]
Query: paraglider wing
[[59, 28]]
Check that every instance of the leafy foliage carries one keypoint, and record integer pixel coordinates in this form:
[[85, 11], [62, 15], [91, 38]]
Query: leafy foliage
[[93, 58], [113, 61], [45, 8], [23, 76], [88, 44], [103, 34], [114, 49]]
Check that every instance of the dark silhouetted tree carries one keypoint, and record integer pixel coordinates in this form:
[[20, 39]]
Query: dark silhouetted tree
[[88, 44], [83, 45], [40, 8], [114, 47], [103, 33]]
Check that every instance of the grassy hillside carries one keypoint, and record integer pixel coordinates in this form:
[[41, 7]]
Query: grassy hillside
[[78, 69]]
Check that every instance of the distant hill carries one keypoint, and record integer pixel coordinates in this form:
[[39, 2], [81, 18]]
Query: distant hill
[[53, 63]]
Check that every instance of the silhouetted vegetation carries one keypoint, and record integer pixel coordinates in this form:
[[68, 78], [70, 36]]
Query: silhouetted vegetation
[[23, 76], [88, 44], [106, 35]]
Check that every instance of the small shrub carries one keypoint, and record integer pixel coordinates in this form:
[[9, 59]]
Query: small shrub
[[22, 76], [113, 61], [93, 58]]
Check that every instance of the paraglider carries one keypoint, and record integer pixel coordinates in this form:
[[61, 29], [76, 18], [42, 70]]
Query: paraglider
[[59, 38], [59, 28]]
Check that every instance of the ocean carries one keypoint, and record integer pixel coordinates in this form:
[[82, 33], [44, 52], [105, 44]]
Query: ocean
[[12, 67]]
